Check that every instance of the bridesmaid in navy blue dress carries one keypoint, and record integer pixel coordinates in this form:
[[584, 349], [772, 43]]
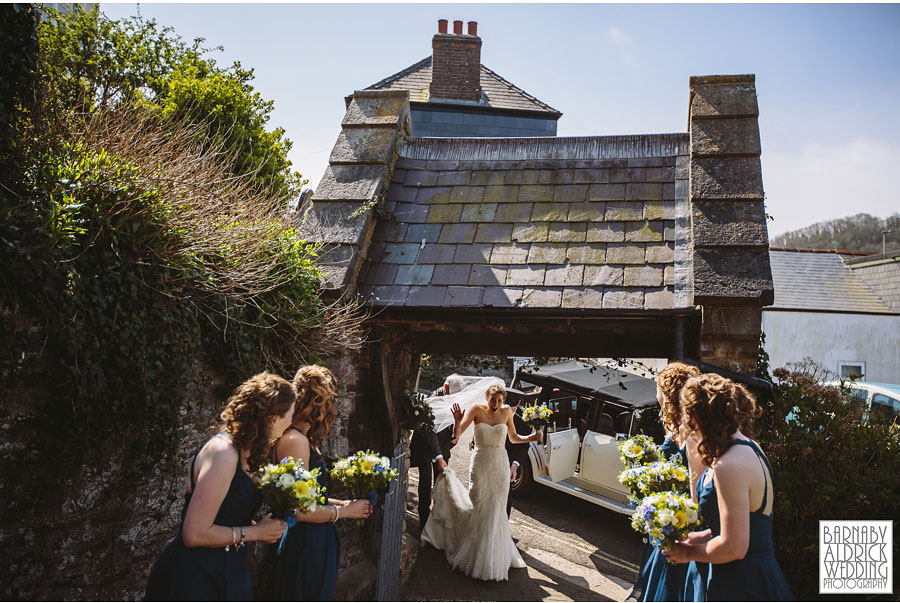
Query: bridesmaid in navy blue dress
[[659, 581], [738, 544], [206, 560], [309, 554]]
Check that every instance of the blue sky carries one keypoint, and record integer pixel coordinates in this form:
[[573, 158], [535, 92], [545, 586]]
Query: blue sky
[[828, 76]]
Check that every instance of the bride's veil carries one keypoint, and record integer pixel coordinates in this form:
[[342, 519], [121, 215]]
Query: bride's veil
[[470, 395]]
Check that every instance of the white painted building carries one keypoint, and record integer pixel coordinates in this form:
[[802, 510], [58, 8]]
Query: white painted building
[[824, 312]]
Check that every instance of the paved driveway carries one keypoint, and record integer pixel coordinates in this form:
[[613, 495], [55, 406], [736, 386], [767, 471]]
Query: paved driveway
[[575, 551]]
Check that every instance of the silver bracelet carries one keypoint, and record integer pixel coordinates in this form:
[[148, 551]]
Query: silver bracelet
[[331, 509], [337, 512], [233, 540]]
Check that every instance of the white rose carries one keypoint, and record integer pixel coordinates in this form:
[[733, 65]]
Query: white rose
[[666, 517], [287, 480]]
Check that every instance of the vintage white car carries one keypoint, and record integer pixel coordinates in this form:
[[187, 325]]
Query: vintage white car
[[594, 408]]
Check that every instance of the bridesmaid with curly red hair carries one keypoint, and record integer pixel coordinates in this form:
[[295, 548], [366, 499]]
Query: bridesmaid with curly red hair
[[206, 561], [735, 495], [657, 580], [309, 553]]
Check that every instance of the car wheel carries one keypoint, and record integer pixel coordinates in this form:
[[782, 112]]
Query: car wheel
[[524, 482]]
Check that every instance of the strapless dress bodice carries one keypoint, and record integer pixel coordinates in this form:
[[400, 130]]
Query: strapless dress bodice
[[490, 436]]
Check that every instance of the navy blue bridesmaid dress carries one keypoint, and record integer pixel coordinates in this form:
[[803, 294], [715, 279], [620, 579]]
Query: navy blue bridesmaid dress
[[185, 573], [309, 556], [756, 577], [658, 580]]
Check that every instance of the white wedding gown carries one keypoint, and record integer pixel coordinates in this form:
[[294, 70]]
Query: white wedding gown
[[472, 527]]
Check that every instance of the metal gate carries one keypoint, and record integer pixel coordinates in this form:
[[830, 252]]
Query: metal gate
[[392, 530]]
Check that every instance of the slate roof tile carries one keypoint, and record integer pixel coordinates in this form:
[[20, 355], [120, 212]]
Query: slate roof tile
[[819, 281], [505, 227], [498, 92]]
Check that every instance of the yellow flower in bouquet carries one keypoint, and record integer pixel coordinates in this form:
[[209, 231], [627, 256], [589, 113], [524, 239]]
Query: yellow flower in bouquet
[[287, 486]]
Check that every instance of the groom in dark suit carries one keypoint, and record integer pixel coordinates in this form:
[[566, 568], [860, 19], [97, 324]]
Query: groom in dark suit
[[430, 453], [513, 398]]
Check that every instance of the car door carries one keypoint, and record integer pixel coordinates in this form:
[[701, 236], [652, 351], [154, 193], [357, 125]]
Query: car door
[[601, 465], [562, 454]]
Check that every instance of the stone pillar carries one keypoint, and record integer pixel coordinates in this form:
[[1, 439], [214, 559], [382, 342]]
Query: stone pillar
[[341, 214], [732, 279]]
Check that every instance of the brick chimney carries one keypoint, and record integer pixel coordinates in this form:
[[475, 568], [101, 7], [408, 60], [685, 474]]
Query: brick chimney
[[456, 62]]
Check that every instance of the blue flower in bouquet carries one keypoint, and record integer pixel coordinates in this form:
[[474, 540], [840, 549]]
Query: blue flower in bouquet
[[289, 487], [639, 450], [657, 476], [666, 518], [365, 473]]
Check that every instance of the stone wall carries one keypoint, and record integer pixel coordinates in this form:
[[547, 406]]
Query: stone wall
[[90, 523], [882, 277]]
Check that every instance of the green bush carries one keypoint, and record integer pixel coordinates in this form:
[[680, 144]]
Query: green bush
[[140, 240], [827, 463]]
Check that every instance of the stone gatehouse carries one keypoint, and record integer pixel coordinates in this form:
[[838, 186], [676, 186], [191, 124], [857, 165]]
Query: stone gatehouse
[[617, 246]]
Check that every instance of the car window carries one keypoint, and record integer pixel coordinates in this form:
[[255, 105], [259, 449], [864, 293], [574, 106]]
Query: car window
[[859, 394], [886, 405]]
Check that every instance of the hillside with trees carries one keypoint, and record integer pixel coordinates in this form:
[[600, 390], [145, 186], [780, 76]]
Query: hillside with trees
[[861, 232]]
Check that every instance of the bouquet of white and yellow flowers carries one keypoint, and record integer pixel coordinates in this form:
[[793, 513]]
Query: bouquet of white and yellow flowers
[[537, 416], [639, 450], [288, 486], [666, 517], [658, 476], [365, 473]]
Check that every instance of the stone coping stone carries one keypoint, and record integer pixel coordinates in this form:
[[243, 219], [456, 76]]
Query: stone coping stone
[[364, 145], [351, 183], [331, 222], [715, 100], [729, 223], [726, 178], [377, 107], [733, 276], [735, 136]]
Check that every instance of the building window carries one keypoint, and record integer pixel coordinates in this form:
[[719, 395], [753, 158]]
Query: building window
[[852, 370]]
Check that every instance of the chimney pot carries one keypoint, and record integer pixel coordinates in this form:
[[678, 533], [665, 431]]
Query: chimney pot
[[473, 28], [457, 27], [442, 26]]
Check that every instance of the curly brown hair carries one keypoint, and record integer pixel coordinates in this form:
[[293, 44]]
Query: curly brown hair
[[670, 380], [714, 408], [251, 412], [316, 391]]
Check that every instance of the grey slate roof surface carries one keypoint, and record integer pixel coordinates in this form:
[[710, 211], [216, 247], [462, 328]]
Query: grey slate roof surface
[[530, 222], [819, 281], [498, 92]]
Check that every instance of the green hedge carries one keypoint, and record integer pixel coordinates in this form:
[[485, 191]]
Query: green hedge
[[827, 463]]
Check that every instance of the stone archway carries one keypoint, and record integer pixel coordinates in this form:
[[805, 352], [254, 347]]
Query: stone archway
[[645, 245]]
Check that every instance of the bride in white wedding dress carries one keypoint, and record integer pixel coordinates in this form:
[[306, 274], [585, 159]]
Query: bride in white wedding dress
[[472, 527]]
